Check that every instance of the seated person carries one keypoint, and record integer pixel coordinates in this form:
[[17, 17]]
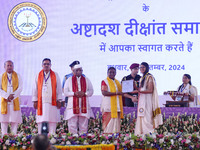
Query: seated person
[[189, 90]]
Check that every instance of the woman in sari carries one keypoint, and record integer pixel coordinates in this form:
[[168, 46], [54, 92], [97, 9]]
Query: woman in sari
[[149, 114], [111, 106], [189, 90]]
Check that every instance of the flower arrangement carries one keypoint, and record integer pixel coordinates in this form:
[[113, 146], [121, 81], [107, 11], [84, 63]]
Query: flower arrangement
[[177, 132]]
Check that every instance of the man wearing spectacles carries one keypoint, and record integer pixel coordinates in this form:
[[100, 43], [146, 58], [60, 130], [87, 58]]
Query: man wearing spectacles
[[47, 97]]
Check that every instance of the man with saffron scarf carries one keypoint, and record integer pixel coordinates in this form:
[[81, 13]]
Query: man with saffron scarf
[[111, 106], [78, 88], [47, 97], [11, 87]]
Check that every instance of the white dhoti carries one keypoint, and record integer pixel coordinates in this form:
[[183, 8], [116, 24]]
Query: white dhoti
[[51, 115], [13, 117], [4, 128], [69, 113], [78, 121], [51, 125]]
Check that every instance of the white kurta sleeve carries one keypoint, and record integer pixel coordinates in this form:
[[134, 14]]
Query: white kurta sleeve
[[67, 91], [35, 90], [90, 90], [20, 87], [58, 88], [2, 92]]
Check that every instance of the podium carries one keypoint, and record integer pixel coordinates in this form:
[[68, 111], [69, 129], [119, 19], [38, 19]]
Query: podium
[[177, 104], [180, 100]]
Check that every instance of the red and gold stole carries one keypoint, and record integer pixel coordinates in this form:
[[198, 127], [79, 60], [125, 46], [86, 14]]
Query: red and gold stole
[[15, 84], [40, 85], [76, 109]]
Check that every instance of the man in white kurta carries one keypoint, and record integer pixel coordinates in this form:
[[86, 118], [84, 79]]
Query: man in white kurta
[[12, 116], [50, 112], [80, 120]]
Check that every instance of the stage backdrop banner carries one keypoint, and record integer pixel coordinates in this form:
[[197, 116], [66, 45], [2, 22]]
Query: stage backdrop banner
[[101, 34]]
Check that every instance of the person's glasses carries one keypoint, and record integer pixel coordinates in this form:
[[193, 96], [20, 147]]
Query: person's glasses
[[142, 67]]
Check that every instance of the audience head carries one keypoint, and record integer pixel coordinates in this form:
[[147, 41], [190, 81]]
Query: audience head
[[41, 142]]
